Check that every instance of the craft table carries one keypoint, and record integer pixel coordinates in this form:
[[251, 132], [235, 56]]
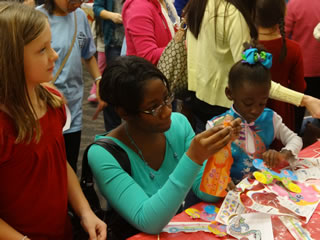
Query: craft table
[[279, 230]]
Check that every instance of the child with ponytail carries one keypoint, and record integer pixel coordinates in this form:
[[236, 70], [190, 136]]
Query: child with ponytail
[[287, 67], [248, 87]]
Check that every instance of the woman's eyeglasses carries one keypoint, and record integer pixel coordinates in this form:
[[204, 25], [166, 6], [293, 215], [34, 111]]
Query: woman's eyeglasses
[[166, 102]]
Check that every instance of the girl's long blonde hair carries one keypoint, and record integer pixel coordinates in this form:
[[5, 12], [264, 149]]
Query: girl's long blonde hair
[[19, 25]]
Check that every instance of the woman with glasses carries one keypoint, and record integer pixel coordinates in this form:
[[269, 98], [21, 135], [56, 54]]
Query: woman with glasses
[[166, 157], [65, 17]]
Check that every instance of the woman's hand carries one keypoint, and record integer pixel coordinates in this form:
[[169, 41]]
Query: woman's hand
[[116, 18], [209, 142], [213, 140], [95, 227], [312, 104]]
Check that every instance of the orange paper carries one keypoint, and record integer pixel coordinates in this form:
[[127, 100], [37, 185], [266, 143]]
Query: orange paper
[[216, 174]]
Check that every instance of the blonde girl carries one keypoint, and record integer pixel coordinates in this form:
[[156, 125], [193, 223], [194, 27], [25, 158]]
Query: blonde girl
[[36, 182]]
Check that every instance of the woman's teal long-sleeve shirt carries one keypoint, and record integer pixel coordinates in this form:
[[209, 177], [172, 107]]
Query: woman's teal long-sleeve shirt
[[149, 204]]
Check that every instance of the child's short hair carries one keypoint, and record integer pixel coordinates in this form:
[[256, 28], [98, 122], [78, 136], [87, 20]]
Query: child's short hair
[[256, 70]]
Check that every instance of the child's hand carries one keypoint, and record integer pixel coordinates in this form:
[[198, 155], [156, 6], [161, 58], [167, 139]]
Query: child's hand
[[236, 128], [231, 186], [275, 159]]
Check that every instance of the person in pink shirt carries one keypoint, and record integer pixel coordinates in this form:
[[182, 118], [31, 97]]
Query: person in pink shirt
[[301, 18], [149, 26]]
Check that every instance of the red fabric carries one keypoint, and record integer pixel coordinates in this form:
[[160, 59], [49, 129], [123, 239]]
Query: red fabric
[[301, 18], [288, 73], [33, 179], [146, 29]]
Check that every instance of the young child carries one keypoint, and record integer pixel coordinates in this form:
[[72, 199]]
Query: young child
[[36, 182], [62, 16], [287, 64], [248, 87]]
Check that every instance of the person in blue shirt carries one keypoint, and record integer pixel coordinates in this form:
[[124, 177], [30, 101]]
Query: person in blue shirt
[[180, 4], [166, 157], [62, 15]]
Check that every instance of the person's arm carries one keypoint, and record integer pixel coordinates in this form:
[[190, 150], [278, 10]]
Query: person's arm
[[7, 232], [103, 9], [151, 213], [289, 139], [281, 93], [140, 25], [148, 214], [91, 223], [114, 17], [312, 104], [92, 67], [106, 14], [292, 145]]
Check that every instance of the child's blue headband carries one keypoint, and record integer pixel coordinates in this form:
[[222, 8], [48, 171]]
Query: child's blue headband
[[252, 56]]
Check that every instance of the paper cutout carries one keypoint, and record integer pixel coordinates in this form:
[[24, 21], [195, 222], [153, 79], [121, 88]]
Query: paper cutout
[[192, 212], [251, 226], [218, 229], [208, 213], [307, 196], [216, 175], [265, 201], [275, 199], [210, 227], [266, 176], [295, 228], [230, 206], [307, 169], [174, 227]]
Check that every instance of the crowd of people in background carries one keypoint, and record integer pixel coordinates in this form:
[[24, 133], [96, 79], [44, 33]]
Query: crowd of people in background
[[240, 53]]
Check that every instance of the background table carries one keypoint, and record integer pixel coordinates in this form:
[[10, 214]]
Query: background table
[[280, 232]]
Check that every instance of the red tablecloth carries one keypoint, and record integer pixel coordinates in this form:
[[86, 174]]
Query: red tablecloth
[[279, 230]]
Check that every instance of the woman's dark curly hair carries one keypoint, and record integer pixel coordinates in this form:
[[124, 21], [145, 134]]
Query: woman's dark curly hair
[[124, 79]]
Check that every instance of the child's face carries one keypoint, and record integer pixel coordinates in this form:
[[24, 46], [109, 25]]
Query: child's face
[[249, 99], [39, 58], [64, 7]]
